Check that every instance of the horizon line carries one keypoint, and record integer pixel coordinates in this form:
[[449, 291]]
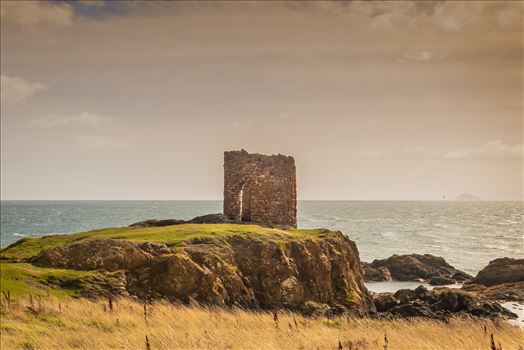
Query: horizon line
[[298, 200]]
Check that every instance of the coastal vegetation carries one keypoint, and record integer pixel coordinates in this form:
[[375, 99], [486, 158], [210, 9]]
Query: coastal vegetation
[[221, 286], [28, 247], [66, 323]]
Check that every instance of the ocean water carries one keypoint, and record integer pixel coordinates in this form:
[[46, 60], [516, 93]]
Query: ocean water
[[467, 234]]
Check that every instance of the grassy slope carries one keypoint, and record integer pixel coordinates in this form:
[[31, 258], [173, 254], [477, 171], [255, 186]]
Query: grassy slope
[[20, 277], [84, 324]]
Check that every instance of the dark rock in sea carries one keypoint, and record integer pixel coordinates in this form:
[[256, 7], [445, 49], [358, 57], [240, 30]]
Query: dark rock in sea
[[385, 301], [504, 291], [204, 219], [499, 271], [294, 271], [440, 281], [437, 304], [502, 279], [376, 274], [413, 267], [154, 222]]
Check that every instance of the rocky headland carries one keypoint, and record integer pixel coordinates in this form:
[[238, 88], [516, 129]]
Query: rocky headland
[[216, 264], [210, 262]]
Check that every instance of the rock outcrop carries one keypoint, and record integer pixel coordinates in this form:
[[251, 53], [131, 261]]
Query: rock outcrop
[[502, 279], [204, 219], [414, 267], [286, 271], [499, 271], [439, 303]]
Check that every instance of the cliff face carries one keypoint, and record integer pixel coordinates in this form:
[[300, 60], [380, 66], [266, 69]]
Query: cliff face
[[293, 271]]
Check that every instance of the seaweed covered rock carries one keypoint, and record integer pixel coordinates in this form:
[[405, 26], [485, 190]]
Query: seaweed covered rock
[[438, 304]]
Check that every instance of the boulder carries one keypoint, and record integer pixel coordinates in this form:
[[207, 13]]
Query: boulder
[[440, 281], [376, 274], [438, 304], [204, 219], [210, 219], [504, 291], [502, 279], [499, 271], [414, 267]]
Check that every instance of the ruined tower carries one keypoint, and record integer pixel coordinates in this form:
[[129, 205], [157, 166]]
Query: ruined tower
[[260, 189]]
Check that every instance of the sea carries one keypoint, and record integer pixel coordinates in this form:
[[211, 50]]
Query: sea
[[467, 234]]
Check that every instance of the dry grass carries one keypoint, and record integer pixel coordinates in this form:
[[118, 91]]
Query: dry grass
[[81, 324]]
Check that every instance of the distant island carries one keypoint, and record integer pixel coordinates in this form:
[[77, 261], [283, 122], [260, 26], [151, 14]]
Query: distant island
[[467, 197]]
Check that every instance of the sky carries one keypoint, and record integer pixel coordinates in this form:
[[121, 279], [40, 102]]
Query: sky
[[375, 100]]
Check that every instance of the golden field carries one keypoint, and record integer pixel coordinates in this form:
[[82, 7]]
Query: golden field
[[67, 323]]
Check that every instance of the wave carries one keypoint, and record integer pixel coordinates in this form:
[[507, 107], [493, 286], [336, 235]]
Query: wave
[[16, 234]]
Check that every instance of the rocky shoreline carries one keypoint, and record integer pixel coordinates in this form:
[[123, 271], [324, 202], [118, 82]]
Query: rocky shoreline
[[211, 261]]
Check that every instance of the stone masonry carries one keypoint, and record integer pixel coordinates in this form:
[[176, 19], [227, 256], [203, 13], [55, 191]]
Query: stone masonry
[[260, 189]]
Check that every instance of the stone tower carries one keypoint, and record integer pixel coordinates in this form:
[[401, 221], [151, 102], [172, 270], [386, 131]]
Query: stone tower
[[260, 189]]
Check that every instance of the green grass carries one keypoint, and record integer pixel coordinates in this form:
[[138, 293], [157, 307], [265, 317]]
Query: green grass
[[22, 279], [27, 248]]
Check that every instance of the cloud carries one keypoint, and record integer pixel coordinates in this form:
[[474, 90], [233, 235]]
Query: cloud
[[15, 90], [458, 153], [34, 14], [423, 56], [241, 123], [101, 142], [496, 149], [84, 119]]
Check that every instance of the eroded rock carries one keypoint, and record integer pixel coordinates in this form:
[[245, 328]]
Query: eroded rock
[[439, 303], [101, 254], [499, 271], [502, 279], [414, 267], [280, 271], [204, 219]]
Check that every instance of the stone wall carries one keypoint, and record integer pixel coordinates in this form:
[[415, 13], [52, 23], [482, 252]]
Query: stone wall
[[260, 189]]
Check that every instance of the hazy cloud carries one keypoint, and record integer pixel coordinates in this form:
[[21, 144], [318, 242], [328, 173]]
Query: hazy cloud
[[15, 90], [32, 14], [216, 65], [491, 149], [458, 153], [84, 119], [241, 123], [499, 148], [423, 56]]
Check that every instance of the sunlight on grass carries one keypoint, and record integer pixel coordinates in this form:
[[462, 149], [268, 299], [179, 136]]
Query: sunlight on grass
[[83, 324], [29, 247]]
